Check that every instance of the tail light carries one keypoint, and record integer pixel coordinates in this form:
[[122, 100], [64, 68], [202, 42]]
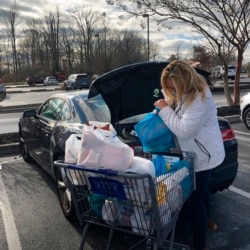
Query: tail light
[[227, 134]]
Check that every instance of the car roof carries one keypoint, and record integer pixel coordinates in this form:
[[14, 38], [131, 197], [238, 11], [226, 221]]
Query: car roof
[[75, 74], [70, 94]]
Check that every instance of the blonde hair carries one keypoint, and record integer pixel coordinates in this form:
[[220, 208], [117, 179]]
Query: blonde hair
[[185, 80]]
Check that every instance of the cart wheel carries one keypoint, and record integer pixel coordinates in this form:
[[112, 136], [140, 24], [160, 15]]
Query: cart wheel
[[64, 195]]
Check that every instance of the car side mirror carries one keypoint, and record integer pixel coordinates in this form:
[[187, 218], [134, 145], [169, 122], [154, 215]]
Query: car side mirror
[[29, 113]]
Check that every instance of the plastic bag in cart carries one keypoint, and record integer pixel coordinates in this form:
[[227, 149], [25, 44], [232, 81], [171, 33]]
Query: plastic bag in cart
[[138, 189], [101, 148], [115, 213], [96, 202], [143, 221], [72, 148], [169, 190], [154, 135]]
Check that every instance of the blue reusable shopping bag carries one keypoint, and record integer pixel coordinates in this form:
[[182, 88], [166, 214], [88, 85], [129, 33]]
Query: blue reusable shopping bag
[[154, 135]]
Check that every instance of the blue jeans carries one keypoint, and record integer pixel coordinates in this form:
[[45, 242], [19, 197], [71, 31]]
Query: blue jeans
[[198, 206]]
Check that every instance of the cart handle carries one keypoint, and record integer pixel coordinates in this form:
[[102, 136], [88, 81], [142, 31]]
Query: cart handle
[[60, 163]]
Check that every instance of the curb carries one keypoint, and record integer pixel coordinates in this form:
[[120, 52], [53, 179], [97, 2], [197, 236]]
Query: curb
[[19, 108], [233, 118], [9, 149], [14, 91]]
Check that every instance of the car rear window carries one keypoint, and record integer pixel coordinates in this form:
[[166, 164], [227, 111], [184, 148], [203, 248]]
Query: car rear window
[[82, 76], [94, 109]]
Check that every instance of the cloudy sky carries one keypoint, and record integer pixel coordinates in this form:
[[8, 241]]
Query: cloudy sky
[[166, 38]]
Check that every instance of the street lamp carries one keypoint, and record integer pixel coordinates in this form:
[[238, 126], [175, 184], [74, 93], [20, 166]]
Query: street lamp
[[98, 43], [99, 49], [147, 16], [68, 55]]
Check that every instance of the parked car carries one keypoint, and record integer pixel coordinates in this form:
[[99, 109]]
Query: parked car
[[217, 72], [77, 81], [31, 80], [122, 97], [2, 91], [43, 132], [245, 109], [60, 77], [50, 80]]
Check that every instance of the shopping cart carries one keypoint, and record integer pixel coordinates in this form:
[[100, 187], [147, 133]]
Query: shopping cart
[[132, 203]]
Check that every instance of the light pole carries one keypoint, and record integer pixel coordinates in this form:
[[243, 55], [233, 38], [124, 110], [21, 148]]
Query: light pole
[[99, 49], [147, 16], [98, 43], [68, 54]]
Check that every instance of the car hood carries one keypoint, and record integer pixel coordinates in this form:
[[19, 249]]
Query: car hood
[[131, 90]]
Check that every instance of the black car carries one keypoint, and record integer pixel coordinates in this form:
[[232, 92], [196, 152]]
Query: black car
[[77, 81], [43, 132], [122, 97], [32, 80]]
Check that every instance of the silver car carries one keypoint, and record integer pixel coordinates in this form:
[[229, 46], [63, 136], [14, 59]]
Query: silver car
[[50, 80]]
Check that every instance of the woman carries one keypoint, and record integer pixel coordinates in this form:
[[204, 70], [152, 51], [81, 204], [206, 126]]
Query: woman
[[194, 122]]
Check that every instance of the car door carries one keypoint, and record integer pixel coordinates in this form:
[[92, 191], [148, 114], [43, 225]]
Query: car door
[[50, 114]]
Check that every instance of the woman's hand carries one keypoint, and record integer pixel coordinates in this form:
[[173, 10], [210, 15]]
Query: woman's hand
[[160, 104]]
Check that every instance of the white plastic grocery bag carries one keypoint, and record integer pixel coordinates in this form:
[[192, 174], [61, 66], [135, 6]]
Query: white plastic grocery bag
[[72, 148], [138, 189], [102, 148]]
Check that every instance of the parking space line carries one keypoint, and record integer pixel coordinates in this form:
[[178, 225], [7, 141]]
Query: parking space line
[[241, 133], [12, 237], [239, 191]]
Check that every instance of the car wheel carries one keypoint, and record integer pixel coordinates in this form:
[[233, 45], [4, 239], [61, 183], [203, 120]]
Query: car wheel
[[64, 195], [25, 151], [72, 86], [246, 118]]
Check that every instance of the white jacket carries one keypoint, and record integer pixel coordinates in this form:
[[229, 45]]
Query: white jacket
[[197, 130]]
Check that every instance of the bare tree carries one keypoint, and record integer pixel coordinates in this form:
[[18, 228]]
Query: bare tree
[[5, 57], [177, 48], [67, 45], [224, 52], [85, 24], [47, 44], [51, 31], [105, 29], [130, 48], [211, 18], [34, 43], [11, 19], [202, 56]]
